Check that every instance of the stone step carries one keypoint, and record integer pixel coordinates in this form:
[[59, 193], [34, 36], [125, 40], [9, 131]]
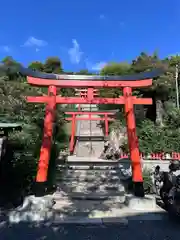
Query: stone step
[[92, 173], [96, 187], [96, 196], [74, 181], [91, 161], [86, 178], [89, 176], [89, 133], [70, 207], [89, 148], [111, 184], [88, 168]]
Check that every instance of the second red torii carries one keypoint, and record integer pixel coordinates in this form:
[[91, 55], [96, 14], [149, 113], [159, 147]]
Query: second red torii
[[74, 118]]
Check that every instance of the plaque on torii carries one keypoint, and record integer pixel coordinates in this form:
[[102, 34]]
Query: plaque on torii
[[126, 83]]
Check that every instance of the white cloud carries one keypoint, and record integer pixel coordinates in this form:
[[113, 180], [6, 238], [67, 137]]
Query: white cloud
[[95, 66], [34, 42], [75, 52], [98, 66], [5, 48]]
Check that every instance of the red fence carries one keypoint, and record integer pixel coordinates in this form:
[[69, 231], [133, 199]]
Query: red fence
[[157, 156]]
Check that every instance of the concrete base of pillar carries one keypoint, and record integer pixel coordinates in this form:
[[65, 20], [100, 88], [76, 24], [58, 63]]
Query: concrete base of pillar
[[33, 209], [148, 203], [138, 189]]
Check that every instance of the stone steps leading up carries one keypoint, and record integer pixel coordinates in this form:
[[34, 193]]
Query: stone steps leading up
[[89, 176], [86, 132], [89, 187], [83, 208], [87, 184]]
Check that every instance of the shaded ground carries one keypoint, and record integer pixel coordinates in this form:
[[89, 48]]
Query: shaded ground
[[163, 229]]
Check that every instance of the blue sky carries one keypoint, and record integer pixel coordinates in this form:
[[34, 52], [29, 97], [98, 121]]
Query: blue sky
[[88, 33]]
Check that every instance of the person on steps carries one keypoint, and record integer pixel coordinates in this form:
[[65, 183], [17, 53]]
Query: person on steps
[[106, 146]]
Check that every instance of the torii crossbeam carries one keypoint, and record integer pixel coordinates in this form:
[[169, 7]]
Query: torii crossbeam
[[127, 83]]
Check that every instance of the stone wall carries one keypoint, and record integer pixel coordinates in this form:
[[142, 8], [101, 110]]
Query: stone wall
[[146, 164]]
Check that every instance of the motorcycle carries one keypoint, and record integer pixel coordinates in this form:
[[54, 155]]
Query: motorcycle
[[167, 186]]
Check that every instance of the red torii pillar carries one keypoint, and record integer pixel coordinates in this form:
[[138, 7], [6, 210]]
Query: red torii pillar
[[133, 141], [127, 99], [45, 151], [75, 118]]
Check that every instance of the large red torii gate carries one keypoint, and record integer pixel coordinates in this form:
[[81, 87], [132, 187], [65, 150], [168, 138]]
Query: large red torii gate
[[127, 83]]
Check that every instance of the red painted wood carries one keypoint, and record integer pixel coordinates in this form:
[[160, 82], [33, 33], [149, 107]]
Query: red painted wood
[[90, 118], [90, 83], [132, 137], [91, 113], [71, 146], [175, 155], [76, 100], [90, 94], [106, 125], [47, 137]]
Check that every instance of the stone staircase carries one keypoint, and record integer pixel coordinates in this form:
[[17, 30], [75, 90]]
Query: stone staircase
[[88, 186], [90, 138]]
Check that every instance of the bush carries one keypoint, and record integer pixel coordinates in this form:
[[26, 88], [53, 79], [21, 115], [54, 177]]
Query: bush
[[20, 169], [148, 183], [153, 139]]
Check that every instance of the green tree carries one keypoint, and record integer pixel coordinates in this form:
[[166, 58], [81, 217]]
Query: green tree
[[36, 65], [113, 69], [10, 68], [53, 65], [162, 86], [14, 108]]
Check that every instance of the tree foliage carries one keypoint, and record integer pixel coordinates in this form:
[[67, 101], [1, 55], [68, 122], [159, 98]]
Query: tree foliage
[[21, 170], [159, 129]]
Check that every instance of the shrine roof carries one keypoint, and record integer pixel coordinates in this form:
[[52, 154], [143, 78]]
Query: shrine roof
[[140, 76]]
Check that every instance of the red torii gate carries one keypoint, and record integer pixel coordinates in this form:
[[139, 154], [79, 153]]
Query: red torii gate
[[83, 93], [75, 118], [80, 81]]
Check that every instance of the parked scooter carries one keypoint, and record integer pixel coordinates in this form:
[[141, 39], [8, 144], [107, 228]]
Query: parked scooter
[[167, 186]]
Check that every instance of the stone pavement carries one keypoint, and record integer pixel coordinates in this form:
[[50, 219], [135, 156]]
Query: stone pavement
[[136, 230]]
